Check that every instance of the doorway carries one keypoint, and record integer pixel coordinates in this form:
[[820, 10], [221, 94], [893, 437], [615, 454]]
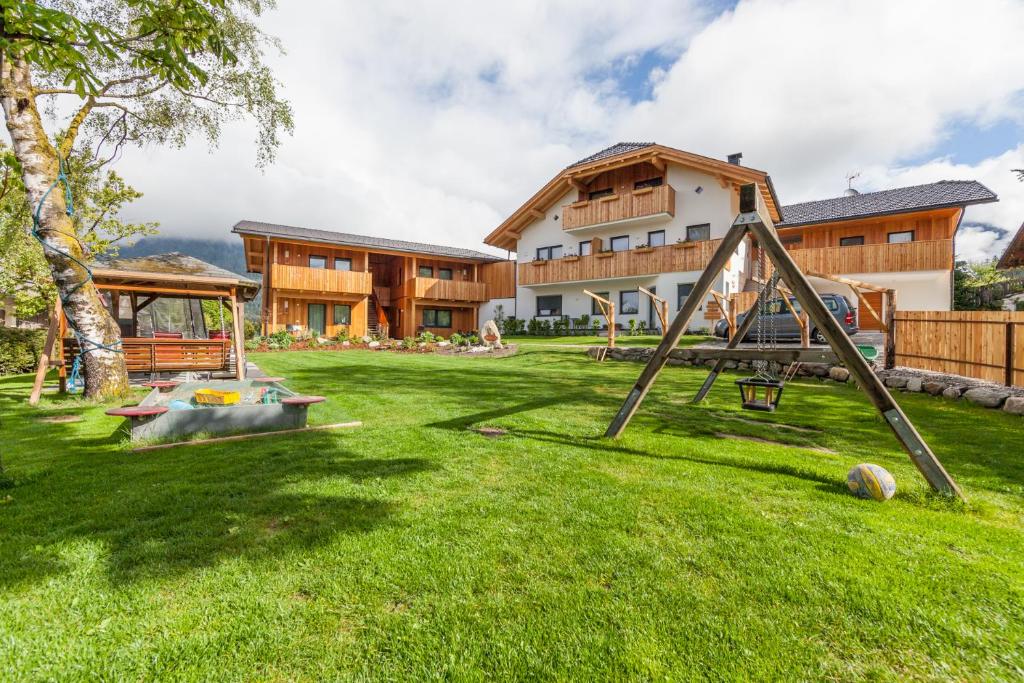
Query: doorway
[[317, 318]]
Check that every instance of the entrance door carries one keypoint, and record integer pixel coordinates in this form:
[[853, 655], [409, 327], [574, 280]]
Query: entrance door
[[317, 318]]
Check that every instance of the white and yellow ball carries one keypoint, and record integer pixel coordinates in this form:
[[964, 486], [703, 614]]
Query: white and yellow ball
[[871, 481]]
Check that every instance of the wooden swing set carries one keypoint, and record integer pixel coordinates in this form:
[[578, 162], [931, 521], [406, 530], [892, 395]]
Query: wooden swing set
[[763, 391]]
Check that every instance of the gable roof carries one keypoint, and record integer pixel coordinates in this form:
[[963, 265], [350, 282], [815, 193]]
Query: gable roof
[[942, 194], [1013, 257], [616, 156], [362, 241], [175, 267]]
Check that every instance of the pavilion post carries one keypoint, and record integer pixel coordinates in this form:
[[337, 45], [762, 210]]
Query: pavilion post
[[44, 359]]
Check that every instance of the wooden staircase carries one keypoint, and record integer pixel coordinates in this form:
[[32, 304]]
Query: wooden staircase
[[377, 319]]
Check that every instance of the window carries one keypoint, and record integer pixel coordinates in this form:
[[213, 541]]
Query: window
[[317, 261], [620, 243], [596, 194], [595, 308], [698, 233], [629, 302], [547, 253], [342, 314], [585, 248], [437, 317], [851, 241], [425, 271], [791, 240], [549, 305], [683, 290], [900, 237], [444, 273], [650, 182], [656, 238], [343, 264]]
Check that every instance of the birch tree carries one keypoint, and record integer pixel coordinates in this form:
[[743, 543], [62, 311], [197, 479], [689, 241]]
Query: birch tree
[[109, 73]]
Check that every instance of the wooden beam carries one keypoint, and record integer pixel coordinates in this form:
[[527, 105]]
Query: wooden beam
[[44, 359], [670, 339], [238, 334], [658, 163], [790, 355], [536, 214], [608, 310], [62, 329], [577, 185], [170, 291], [660, 306], [889, 359], [240, 437], [848, 281], [919, 452]]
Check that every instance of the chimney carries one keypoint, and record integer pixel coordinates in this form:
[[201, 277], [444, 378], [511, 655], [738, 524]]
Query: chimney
[[734, 159]]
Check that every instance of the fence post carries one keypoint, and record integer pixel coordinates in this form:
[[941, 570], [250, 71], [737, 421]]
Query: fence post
[[889, 315], [1008, 380]]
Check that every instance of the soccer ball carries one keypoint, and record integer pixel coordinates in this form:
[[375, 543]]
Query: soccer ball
[[871, 481]]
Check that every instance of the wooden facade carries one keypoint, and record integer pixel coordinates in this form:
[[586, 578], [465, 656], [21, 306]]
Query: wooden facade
[[357, 291], [627, 197], [681, 257]]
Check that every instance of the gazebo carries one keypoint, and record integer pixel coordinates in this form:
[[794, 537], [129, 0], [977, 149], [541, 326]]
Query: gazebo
[[157, 302]]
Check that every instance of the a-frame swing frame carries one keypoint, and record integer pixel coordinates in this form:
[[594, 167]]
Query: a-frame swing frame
[[754, 220]]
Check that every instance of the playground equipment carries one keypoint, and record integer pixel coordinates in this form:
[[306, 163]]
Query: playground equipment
[[755, 221]]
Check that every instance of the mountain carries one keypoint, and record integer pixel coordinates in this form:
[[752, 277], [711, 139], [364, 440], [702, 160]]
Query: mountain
[[226, 254]]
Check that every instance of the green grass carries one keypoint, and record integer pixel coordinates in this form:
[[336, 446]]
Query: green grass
[[414, 548], [622, 339]]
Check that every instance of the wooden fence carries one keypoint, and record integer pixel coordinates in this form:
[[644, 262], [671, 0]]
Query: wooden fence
[[987, 345]]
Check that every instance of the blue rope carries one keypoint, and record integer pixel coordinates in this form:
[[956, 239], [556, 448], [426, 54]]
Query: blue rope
[[85, 345]]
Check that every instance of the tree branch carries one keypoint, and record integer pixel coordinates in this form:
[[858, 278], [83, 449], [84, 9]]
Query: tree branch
[[68, 143]]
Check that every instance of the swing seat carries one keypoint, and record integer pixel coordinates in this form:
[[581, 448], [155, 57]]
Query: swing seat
[[868, 351], [760, 394]]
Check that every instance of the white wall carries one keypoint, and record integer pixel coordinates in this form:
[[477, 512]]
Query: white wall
[[928, 290], [488, 312]]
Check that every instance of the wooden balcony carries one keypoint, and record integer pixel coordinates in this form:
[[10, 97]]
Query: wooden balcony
[[445, 290], [319, 280], [877, 258], [681, 257], [644, 203]]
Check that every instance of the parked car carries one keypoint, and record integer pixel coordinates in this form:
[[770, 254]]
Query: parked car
[[786, 327]]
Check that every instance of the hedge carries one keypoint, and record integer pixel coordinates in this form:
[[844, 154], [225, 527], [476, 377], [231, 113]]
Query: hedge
[[20, 349]]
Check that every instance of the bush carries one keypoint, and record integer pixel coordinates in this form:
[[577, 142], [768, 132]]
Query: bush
[[252, 329], [20, 349], [1019, 305], [632, 327], [409, 343], [280, 340], [342, 333], [512, 326], [472, 340], [253, 343], [457, 339]]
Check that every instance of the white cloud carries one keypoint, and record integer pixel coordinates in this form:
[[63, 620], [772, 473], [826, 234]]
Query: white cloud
[[433, 121]]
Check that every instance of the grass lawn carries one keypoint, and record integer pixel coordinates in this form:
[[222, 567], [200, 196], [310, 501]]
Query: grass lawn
[[414, 548], [620, 340]]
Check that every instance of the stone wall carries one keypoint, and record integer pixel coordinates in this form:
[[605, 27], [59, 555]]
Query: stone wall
[[952, 387]]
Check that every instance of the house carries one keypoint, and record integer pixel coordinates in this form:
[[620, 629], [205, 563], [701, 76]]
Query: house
[[333, 282], [633, 215], [1013, 257], [901, 239], [642, 215]]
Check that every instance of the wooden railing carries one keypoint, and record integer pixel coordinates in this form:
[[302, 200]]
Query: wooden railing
[[648, 201], [447, 290], [877, 258], [300, 278], [685, 256], [143, 354]]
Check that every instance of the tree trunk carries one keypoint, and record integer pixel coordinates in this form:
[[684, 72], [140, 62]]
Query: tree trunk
[[105, 371]]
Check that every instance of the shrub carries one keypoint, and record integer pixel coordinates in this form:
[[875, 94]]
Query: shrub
[[632, 327], [596, 323], [561, 325], [20, 349], [252, 329], [253, 343], [512, 326], [409, 343], [457, 339], [641, 327], [342, 333], [472, 340], [280, 340], [533, 327], [1019, 305]]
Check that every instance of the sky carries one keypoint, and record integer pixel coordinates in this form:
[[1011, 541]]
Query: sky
[[433, 121]]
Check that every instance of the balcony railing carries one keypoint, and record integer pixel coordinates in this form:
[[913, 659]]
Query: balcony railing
[[445, 290], [876, 258], [648, 201], [681, 257], [319, 280]]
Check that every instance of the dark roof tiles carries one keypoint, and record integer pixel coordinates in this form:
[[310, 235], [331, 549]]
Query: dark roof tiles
[[944, 193], [614, 150], [365, 241]]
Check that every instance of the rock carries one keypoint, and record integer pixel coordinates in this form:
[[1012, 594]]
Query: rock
[[731, 365], [676, 362], [914, 384], [346, 343], [894, 382], [373, 344], [989, 398], [951, 393], [490, 335], [1014, 405], [445, 344], [819, 370], [422, 345], [934, 388], [367, 339], [838, 374]]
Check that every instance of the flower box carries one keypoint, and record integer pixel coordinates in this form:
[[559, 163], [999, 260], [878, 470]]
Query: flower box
[[604, 254]]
